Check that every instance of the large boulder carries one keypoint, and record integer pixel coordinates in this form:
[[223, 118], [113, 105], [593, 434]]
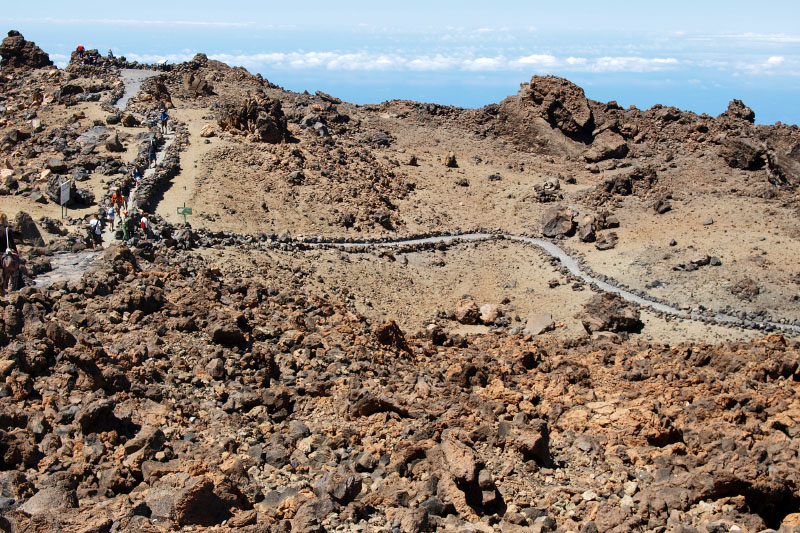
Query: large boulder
[[609, 312], [16, 52], [467, 311], [28, 231], [743, 153], [558, 222], [262, 118], [50, 499], [196, 85], [113, 144], [390, 334], [561, 103], [607, 145], [538, 323]]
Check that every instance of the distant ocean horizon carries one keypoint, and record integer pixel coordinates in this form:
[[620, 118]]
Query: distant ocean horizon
[[460, 69]]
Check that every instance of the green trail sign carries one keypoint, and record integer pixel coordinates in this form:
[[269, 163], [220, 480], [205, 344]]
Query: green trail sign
[[184, 211]]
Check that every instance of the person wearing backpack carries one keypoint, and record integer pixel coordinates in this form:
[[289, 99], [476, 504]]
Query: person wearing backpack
[[9, 264], [117, 200], [96, 232], [137, 174]]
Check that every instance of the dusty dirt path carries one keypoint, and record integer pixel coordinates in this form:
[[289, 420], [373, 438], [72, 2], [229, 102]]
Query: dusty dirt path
[[184, 186]]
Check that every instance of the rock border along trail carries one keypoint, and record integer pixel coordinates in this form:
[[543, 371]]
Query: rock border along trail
[[133, 80], [68, 266], [574, 266]]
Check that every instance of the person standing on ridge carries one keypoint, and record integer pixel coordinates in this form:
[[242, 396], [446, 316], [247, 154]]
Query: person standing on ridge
[[110, 216], [117, 200], [151, 155], [123, 222]]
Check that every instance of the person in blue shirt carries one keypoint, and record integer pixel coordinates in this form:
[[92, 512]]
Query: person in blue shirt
[[164, 118]]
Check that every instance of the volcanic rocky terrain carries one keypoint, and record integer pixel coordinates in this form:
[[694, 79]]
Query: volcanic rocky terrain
[[547, 314]]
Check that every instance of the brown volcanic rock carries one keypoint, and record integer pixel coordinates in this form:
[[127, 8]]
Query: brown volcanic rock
[[738, 111], [562, 103], [390, 334], [558, 221], [16, 52], [263, 118], [743, 153], [607, 145], [609, 312]]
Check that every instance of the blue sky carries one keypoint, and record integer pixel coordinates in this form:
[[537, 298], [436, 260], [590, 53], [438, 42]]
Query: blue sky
[[695, 55]]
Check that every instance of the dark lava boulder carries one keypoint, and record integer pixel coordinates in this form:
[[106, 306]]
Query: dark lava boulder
[[263, 118], [16, 52], [609, 312], [562, 103], [743, 153], [558, 221]]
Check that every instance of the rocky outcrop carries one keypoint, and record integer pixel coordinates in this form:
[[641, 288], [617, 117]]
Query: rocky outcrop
[[262, 118], [155, 92], [738, 111], [16, 52], [560, 102], [743, 153], [195, 85]]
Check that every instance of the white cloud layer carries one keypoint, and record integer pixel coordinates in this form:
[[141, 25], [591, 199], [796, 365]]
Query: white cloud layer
[[466, 61], [367, 61]]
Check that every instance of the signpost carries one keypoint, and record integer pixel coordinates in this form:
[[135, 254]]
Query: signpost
[[184, 211], [65, 188]]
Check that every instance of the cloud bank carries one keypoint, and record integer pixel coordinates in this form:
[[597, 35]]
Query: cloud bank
[[370, 61]]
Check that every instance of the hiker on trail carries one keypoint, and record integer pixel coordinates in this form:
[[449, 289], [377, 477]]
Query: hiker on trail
[[151, 155], [137, 173], [123, 221], [96, 232], [117, 200], [80, 51], [10, 259], [144, 224], [110, 216], [125, 189], [164, 118]]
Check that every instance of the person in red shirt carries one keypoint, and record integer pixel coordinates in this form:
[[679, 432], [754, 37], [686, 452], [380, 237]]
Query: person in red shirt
[[117, 200]]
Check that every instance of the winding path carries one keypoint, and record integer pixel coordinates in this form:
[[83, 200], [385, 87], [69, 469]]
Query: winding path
[[69, 267], [574, 268]]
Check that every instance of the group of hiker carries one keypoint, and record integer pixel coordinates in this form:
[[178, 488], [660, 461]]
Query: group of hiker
[[124, 218], [117, 214]]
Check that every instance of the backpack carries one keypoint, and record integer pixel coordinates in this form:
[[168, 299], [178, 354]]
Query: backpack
[[10, 260]]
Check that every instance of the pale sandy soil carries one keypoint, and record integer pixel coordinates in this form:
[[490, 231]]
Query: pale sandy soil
[[412, 293], [184, 186]]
